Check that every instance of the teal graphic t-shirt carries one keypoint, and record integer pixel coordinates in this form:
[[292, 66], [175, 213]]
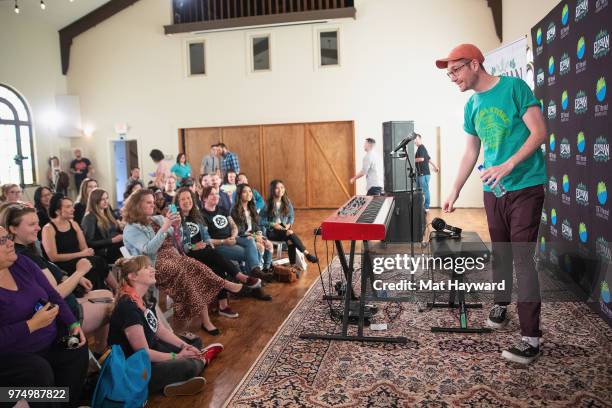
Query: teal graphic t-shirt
[[495, 116]]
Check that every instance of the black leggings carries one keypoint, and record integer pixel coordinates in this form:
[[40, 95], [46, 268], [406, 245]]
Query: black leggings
[[218, 263], [53, 367], [97, 275], [293, 242]]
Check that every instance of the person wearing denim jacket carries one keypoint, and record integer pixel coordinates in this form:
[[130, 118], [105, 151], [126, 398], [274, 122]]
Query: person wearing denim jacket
[[278, 217]]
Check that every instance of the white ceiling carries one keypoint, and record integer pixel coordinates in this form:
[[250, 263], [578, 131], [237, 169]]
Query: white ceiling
[[59, 13]]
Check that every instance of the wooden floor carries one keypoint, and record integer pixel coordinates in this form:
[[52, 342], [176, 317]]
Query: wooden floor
[[244, 338]]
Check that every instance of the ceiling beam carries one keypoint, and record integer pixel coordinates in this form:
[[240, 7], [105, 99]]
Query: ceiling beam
[[496, 10], [102, 13]]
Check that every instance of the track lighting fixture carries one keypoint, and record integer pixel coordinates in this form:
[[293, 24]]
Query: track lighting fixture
[[16, 7], [42, 5]]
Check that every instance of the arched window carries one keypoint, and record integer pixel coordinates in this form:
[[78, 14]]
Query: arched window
[[15, 139]]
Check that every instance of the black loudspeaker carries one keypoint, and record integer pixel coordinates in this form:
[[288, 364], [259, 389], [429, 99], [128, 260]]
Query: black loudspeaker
[[399, 226], [396, 177]]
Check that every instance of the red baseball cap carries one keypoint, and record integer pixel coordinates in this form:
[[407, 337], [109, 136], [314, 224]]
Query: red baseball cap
[[462, 51]]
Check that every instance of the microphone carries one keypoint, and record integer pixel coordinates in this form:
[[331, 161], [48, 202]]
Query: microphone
[[404, 142], [440, 225]]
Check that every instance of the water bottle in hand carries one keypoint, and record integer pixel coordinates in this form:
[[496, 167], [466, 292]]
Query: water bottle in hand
[[499, 190]]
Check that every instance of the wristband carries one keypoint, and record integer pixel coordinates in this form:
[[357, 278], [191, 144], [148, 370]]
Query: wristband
[[73, 325], [173, 354]]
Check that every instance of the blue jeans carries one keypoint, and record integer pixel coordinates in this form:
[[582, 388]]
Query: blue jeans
[[244, 251], [423, 182]]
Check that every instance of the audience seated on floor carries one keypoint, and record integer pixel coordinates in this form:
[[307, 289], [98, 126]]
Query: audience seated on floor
[[191, 284], [102, 231], [65, 244], [33, 316], [176, 364], [80, 206], [22, 223]]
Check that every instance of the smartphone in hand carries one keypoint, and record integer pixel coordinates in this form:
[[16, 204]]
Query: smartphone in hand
[[172, 208]]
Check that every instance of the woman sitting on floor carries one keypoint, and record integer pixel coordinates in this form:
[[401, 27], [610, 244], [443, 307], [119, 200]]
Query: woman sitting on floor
[[197, 244], [65, 244], [244, 214], [102, 231], [278, 217], [224, 235], [30, 353], [22, 223], [176, 366], [191, 284]]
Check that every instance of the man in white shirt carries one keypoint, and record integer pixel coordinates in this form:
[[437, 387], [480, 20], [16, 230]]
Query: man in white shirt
[[371, 169]]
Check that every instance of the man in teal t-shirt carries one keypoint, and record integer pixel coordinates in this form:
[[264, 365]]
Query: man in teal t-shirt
[[505, 118]]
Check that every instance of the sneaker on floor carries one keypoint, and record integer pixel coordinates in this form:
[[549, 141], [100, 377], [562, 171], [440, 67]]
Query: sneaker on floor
[[228, 312], [498, 317], [253, 282], [211, 351], [522, 353], [311, 258], [190, 387]]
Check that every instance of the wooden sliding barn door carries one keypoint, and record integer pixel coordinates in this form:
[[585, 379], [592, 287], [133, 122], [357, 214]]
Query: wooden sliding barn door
[[314, 160]]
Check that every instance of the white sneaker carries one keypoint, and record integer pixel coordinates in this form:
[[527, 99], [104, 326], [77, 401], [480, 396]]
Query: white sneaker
[[190, 387]]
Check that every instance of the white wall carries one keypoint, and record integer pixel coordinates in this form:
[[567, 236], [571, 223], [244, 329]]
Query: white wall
[[126, 70], [30, 64], [520, 15]]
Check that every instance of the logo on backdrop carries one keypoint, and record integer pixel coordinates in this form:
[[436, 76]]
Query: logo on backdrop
[[604, 292], [582, 8], [600, 5], [580, 52], [551, 71], [602, 248], [566, 230], [564, 64], [565, 198], [601, 46], [544, 217], [581, 159], [552, 109], [551, 33], [601, 150], [552, 189], [565, 115], [542, 244], [565, 150], [601, 109], [582, 233], [540, 77], [553, 223], [602, 197], [551, 144], [539, 47], [582, 194], [542, 105], [564, 21], [580, 103]]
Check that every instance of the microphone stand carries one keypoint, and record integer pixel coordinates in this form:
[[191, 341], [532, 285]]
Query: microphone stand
[[412, 177]]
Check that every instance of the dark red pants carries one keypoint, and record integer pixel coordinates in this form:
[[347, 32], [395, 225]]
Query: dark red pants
[[514, 220]]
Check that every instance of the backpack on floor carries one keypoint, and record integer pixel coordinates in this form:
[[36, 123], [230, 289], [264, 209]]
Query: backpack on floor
[[123, 382]]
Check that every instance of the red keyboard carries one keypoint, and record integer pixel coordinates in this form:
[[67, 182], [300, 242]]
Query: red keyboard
[[362, 218]]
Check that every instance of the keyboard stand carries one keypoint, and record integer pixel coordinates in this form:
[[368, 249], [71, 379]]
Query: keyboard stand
[[366, 271]]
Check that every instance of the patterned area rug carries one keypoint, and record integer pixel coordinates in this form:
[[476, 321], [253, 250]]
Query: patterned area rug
[[432, 369]]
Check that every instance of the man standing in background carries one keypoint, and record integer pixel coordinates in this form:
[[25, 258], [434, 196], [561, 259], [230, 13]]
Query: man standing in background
[[210, 162], [80, 167], [423, 161], [371, 169], [229, 161]]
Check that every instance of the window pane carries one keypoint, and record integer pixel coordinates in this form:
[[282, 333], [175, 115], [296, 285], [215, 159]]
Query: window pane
[[14, 100], [196, 59], [329, 48], [5, 112], [261, 53], [26, 152], [9, 172]]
